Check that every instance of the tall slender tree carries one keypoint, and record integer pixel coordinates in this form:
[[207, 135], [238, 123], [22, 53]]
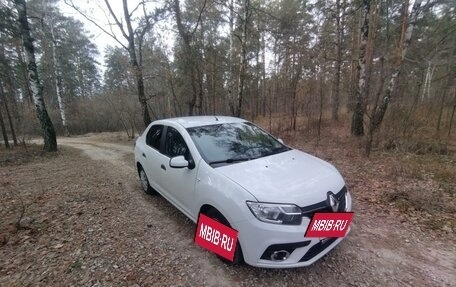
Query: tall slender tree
[[357, 125], [2, 122], [409, 23], [50, 140], [58, 82], [243, 64], [340, 7], [191, 58]]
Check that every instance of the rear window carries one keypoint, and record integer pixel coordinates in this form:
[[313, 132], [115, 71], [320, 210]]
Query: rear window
[[154, 135]]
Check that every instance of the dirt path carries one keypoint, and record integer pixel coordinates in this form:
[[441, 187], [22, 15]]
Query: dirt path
[[380, 251], [121, 165]]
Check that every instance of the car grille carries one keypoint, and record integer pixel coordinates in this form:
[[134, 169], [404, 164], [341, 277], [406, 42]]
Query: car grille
[[323, 206]]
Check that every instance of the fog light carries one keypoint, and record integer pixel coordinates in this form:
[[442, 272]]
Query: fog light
[[280, 255]]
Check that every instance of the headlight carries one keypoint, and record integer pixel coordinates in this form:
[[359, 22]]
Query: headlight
[[276, 213]]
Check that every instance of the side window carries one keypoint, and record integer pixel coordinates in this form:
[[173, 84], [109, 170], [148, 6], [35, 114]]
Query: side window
[[154, 136], [175, 144]]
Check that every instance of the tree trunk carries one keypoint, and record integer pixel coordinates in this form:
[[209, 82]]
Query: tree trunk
[[339, 29], [426, 94], [176, 105], [320, 107], [263, 74], [445, 92], [50, 141], [357, 128], [24, 74], [412, 109], [190, 62], [8, 114], [379, 113], [373, 21], [442, 103], [353, 62], [213, 82], [452, 117], [2, 123], [199, 76], [58, 83], [137, 69], [242, 65], [9, 75], [230, 61], [5, 135]]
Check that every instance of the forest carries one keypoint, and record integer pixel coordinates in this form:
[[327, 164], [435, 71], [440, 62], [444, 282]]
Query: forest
[[383, 70], [368, 86]]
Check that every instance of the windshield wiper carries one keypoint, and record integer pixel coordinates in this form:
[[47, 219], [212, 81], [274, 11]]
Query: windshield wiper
[[273, 151], [230, 160]]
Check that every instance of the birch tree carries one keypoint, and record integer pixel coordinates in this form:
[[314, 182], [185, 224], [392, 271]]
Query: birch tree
[[357, 125], [58, 82], [379, 111], [49, 136]]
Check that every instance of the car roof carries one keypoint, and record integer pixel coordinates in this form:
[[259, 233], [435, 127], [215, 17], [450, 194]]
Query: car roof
[[197, 121]]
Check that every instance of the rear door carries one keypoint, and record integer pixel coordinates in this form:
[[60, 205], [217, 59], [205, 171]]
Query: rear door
[[151, 154]]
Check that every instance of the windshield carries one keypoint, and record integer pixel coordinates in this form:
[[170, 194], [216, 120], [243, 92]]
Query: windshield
[[233, 142]]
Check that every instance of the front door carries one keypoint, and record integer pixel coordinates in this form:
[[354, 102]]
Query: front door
[[179, 183]]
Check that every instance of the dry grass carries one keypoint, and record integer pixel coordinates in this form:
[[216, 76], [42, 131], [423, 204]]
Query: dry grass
[[23, 154]]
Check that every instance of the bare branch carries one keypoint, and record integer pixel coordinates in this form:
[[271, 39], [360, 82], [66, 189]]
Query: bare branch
[[143, 33], [116, 19], [136, 8], [199, 18], [111, 34]]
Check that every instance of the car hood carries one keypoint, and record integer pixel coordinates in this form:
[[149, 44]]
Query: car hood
[[288, 177]]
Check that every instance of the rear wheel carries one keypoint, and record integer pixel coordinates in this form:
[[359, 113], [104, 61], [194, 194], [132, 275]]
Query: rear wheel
[[145, 182], [238, 257]]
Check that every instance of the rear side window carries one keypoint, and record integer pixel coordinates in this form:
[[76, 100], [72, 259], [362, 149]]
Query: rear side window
[[154, 136]]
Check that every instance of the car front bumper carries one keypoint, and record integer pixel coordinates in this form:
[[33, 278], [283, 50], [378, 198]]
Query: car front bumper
[[256, 236]]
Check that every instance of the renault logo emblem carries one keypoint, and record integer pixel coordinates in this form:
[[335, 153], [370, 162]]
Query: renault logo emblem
[[333, 202]]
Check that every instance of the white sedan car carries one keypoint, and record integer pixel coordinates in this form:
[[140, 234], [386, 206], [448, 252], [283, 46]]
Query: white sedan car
[[233, 171]]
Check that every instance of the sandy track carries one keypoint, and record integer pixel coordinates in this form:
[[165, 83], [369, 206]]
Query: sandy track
[[379, 251], [120, 159]]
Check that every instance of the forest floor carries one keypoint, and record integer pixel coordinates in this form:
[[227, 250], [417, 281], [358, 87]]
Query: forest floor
[[88, 223]]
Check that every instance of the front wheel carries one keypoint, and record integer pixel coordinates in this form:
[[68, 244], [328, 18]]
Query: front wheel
[[238, 257], [145, 182]]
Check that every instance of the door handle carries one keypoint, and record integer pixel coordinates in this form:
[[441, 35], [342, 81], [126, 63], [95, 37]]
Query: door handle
[[143, 154], [163, 167]]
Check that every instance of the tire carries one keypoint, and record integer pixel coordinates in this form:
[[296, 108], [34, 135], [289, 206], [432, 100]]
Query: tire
[[145, 182], [238, 256]]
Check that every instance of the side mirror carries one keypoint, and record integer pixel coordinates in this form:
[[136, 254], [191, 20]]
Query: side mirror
[[178, 162], [280, 141]]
